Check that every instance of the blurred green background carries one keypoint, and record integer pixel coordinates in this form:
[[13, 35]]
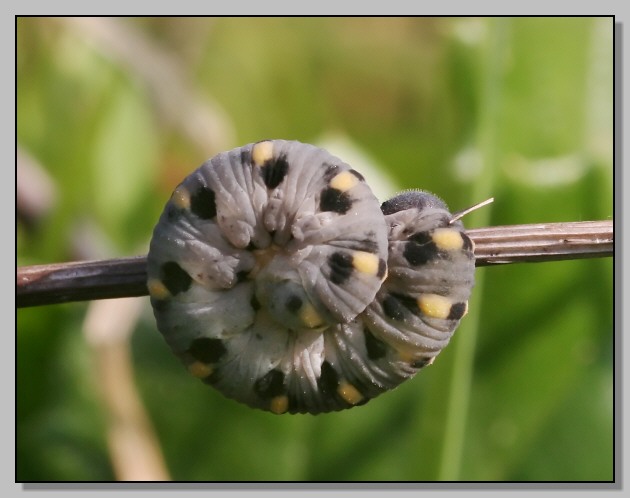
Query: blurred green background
[[113, 113]]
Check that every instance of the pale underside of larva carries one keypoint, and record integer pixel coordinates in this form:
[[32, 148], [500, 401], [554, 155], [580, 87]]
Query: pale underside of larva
[[278, 278]]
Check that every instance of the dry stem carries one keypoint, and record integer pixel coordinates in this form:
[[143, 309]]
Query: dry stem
[[87, 280]]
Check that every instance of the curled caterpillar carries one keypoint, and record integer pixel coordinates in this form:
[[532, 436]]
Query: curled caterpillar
[[277, 277]]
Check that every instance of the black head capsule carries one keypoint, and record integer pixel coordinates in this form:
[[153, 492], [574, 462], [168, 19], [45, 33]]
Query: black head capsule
[[410, 199]]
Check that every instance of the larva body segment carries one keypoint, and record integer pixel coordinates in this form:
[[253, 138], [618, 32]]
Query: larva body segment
[[277, 278]]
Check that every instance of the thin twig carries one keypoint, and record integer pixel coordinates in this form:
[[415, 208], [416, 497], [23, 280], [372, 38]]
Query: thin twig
[[81, 281], [126, 277]]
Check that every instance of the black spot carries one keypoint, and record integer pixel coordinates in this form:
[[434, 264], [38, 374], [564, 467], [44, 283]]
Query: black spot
[[411, 303], [175, 279], [295, 405], [212, 379], [358, 175], [382, 268], [173, 213], [274, 171], [328, 380], [270, 385], [375, 347], [422, 362], [294, 303], [467, 242], [393, 308], [367, 244], [457, 311], [421, 238], [251, 246], [418, 254], [340, 264], [160, 304], [203, 203], [335, 200], [412, 199], [241, 276], [207, 350], [246, 156], [255, 303], [330, 171]]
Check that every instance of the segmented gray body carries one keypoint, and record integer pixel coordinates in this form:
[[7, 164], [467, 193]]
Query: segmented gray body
[[277, 278]]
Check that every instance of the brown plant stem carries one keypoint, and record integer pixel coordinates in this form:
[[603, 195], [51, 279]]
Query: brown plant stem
[[126, 277]]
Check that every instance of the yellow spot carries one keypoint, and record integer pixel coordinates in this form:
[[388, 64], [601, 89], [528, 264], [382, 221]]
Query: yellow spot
[[349, 393], [365, 262], [181, 198], [263, 257], [447, 239], [200, 369], [309, 316], [434, 305], [157, 290], [405, 356], [279, 404], [262, 152], [344, 181]]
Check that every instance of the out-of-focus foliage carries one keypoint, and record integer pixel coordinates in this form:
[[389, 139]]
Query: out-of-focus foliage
[[519, 109]]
